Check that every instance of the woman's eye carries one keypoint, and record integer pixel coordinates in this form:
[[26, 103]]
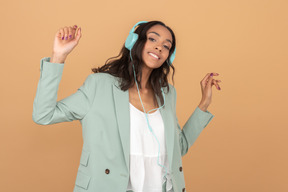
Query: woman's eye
[[150, 38], [166, 47]]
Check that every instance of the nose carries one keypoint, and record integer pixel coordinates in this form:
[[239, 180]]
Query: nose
[[158, 48]]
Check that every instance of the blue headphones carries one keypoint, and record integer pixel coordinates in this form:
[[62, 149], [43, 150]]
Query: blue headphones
[[132, 38]]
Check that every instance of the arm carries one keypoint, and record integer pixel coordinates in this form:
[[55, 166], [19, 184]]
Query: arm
[[192, 128], [46, 108]]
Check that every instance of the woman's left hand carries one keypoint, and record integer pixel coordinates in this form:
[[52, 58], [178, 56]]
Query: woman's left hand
[[206, 87]]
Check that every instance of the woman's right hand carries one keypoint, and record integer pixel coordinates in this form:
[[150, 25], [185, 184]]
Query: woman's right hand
[[66, 40]]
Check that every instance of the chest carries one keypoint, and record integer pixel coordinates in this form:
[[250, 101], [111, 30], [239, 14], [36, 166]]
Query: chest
[[149, 100]]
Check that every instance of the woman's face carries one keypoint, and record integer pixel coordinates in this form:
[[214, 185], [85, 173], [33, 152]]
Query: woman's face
[[157, 46]]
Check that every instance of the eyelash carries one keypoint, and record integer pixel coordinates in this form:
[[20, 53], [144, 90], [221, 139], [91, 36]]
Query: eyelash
[[164, 45]]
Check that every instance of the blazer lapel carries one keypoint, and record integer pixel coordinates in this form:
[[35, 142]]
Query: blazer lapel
[[168, 127], [121, 101]]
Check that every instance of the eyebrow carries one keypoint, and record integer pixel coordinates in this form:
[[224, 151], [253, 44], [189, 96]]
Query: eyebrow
[[159, 36]]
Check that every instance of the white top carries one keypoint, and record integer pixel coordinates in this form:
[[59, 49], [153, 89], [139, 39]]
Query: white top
[[145, 173]]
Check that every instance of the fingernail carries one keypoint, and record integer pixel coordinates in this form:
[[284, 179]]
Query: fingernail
[[70, 36], [211, 74], [66, 38], [219, 88], [75, 26], [62, 38]]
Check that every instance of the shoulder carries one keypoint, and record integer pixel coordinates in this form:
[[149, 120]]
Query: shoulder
[[99, 81], [172, 91], [171, 88], [102, 75], [102, 78]]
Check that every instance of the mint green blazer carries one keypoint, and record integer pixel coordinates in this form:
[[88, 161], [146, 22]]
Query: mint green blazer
[[103, 111]]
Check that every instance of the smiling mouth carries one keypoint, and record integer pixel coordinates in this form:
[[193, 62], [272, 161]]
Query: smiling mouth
[[154, 56]]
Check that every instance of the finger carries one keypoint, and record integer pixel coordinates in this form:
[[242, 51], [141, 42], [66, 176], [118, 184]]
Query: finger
[[218, 81], [216, 84], [79, 34], [210, 80], [58, 34], [61, 30], [66, 33], [74, 31], [70, 33], [205, 79]]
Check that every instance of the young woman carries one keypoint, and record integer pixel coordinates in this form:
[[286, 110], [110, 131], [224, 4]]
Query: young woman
[[126, 146]]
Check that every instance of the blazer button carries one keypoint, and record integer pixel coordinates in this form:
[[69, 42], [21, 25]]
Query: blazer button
[[183, 189], [107, 171], [180, 169]]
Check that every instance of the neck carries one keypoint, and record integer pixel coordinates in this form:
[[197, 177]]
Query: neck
[[146, 86]]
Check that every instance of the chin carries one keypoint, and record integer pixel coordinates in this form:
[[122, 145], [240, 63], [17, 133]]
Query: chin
[[153, 66]]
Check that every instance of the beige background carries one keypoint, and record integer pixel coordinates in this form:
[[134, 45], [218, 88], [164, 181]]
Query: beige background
[[244, 148]]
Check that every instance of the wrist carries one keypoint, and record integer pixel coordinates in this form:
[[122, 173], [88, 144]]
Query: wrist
[[203, 107], [57, 58]]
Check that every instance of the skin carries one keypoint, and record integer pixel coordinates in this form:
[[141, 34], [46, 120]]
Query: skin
[[67, 38], [63, 47], [206, 88], [158, 45], [158, 38]]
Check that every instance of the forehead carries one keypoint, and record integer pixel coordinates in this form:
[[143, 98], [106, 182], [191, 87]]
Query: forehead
[[161, 30]]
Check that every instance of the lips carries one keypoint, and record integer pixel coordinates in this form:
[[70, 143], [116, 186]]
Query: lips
[[154, 55]]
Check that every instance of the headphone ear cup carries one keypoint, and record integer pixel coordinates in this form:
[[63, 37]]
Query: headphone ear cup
[[172, 57], [131, 40]]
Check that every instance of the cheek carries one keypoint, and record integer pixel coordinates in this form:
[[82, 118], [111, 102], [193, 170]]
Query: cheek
[[144, 54], [166, 55], [145, 48]]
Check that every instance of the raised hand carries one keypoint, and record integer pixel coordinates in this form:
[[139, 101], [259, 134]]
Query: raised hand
[[66, 39], [206, 88]]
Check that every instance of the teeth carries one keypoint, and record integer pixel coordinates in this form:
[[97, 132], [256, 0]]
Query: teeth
[[154, 55]]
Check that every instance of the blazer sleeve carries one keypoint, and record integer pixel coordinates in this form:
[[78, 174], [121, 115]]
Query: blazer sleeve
[[192, 128], [46, 108]]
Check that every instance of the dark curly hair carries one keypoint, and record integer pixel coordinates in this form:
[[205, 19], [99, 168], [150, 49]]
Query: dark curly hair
[[123, 69]]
